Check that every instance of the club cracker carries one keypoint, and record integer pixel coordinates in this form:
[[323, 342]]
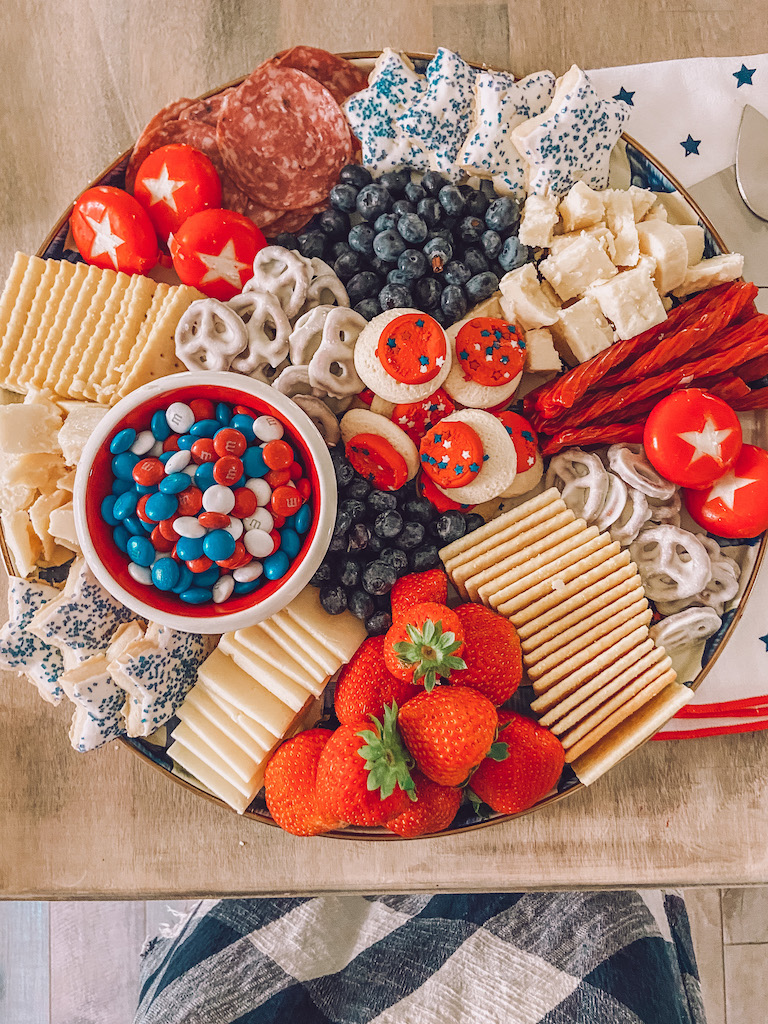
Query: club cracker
[[143, 311], [81, 360], [65, 273], [62, 318], [32, 325], [65, 342], [115, 329], [15, 304]]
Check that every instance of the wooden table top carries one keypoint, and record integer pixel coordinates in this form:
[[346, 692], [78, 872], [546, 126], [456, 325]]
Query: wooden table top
[[79, 80]]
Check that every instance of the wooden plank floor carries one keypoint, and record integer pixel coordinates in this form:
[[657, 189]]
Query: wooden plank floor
[[78, 962]]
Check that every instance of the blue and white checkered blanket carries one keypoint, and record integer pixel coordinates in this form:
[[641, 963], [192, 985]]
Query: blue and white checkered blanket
[[516, 958]]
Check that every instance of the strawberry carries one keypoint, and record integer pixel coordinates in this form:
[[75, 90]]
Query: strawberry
[[417, 588], [290, 785], [363, 775], [491, 652], [434, 810], [448, 732], [365, 685], [425, 642], [533, 764]]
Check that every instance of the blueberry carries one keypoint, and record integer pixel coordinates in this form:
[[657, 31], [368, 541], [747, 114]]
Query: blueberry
[[424, 558], [355, 508], [397, 276], [287, 240], [358, 537], [430, 211], [469, 230], [413, 263], [402, 206], [475, 261], [411, 537], [395, 296], [334, 224], [473, 521], [486, 187], [503, 213], [413, 228], [323, 575], [442, 232], [451, 200], [378, 578], [419, 510], [355, 174], [432, 182], [372, 201], [395, 181], [365, 285], [360, 604], [347, 265], [439, 251], [453, 302], [481, 287], [343, 197], [396, 558], [386, 222], [359, 488], [388, 525], [379, 266], [338, 543], [368, 308], [476, 204], [451, 526], [513, 254], [388, 245], [491, 244], [378, 623], [456, 272], [426, 292], [375, 545], [349, 576], [339, 249], [407, 491], [342, 468], [381, 501], [361, 238], [312, 244], [343, 523], [442, 318], [415, 192], [333, 599]]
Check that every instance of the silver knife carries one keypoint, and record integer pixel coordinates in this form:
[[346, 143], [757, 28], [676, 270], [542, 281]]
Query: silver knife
[[752, 161]]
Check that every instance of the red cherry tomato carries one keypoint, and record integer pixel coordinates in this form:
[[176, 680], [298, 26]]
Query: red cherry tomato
[[112, 231], [692, 437], [214, 252], [736, 505], [173, 183]]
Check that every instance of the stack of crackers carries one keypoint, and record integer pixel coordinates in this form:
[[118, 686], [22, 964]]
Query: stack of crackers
[[82, 332], [578, 604]]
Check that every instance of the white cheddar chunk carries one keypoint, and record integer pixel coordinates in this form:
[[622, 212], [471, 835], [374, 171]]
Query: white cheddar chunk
[[222, 675], [62, 526], [201, 714], [620, 218], [540, 354], [23, 543], [287, 690], [488, 307], [538, 221], [708, 273], [576, 266], [293, 663], [657, 212], [202, 697], [582, 207], [26, 429], [319, 661], [581, 331], [630, 301], [212, 780], [679, 210], [665, 244], [599, 232], [341, 634], [210, 738], [523, 300], [78, 427], [694, 239], [642, 200]]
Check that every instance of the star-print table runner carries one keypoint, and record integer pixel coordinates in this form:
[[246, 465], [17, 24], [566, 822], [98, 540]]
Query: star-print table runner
[[694, 136]]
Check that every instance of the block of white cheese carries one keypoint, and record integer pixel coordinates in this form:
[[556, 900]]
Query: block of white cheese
[[581, 207], [664, 243], [62, 526], [287, 690], [28, 428], [620, 218], [23, 543], [524, 301], [581, 331], [657, 212], [81, 421], [679, 210], [540, 354], [599, 232], [288, 660], [642, 200], [488, 307], [694, 239], [708, 273], [40, 518], [201, 714], [630, 301], [220, 752], [341, 634], [319, 661], [538, 221], [573, 268], [203, 697], [221, 675], [212, 780]]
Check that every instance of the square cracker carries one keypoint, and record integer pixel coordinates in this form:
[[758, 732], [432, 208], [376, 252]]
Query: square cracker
[[118, 327], [587, 663], [52, 337], [145, 304], [65, 272], [15, 304], [32, 325], [568, 689], [84, 353], [57, 358]]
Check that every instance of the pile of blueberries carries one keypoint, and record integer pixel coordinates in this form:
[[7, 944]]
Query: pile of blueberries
[[380, 536], [428, 245]]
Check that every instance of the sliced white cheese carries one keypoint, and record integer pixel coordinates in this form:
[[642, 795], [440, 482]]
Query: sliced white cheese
[[62, 526], [657, 212], [201, 715], [203, 697], [40, 516], [240, 768], [341, 634], [223, 676], [575, 267], [581, 208], [630, 301], [708, 273], [317, 658], [665, 244], [620, 218], [581, 331], [212, 780], [287, 690], [538, 221], [694, 239], [524, 301], [299, 665], [540, 354]]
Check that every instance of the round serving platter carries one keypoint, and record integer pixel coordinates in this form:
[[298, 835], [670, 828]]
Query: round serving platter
[[633, 165]]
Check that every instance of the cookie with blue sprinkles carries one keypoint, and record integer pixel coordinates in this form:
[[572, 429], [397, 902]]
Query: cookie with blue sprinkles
[[21, 649], [99, 703]]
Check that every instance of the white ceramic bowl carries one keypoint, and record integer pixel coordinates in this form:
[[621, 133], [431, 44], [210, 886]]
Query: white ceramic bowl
[[94, 481]]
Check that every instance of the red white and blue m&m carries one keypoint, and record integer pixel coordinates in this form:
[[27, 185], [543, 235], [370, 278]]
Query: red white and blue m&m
[[207, 501]]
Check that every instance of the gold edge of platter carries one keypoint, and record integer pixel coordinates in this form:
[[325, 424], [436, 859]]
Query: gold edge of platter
[[383, 835]]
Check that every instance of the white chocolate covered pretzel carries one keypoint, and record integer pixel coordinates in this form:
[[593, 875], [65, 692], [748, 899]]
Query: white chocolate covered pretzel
[[284, 274], [321, 416], [209, 335], [582, 480], [332, 367], [690, 626], [673, 563], [268, 330], [630, 462]]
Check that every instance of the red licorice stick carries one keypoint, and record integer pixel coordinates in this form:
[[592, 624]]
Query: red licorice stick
[[756, 399], [611, 433], [563, 392], [754, 369], [727, 386]]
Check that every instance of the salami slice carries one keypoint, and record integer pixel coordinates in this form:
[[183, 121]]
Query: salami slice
[[233, 198], [196, 134], [339, 76], [144, 143], [283, 138], [207, 110], [293, 221]]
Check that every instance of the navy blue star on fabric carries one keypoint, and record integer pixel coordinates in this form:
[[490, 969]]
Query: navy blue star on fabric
[[744, 76], [624, 97], [691, 146], [764, 639]]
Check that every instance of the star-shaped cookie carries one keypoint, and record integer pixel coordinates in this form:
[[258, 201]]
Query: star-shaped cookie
[[21, 649], [572, 139], [501, 104], [98, 701]]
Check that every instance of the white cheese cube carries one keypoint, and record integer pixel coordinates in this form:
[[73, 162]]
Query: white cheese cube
[[665, 244], [540, 353], [28, 429], [679, 210], [657, 212], [642, 200], [599, 232], [581, 208], [581, 331], [538, 221], [575, 267], [524, 301], [694, 239], [620, 218], [630, 301], [78, 427], [708, 273], [488, 307], [23, 544]]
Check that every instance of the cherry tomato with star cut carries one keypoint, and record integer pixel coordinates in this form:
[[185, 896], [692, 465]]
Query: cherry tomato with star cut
[[112, 231], [214, 250], [173, 183], [736, 505]]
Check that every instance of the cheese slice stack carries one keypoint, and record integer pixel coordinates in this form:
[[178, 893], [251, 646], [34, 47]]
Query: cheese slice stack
[[257, 688]]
